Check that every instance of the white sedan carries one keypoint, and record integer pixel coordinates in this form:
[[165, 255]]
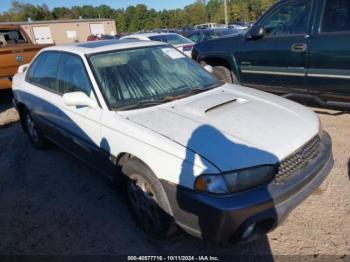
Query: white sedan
[[221, 161], [182, 43]]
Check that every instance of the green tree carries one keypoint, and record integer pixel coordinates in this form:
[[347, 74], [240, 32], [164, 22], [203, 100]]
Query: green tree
[[139, 17]]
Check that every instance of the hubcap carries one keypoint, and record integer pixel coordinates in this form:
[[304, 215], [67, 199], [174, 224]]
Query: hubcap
[[143, 201], [33, 133]]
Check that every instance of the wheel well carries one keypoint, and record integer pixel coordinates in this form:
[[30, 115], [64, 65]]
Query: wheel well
[[217, 62], [122, 158]]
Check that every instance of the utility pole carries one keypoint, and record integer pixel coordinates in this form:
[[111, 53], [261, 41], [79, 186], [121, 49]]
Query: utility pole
[[226, 17]]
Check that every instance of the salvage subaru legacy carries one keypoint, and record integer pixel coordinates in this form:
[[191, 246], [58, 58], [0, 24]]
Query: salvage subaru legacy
[[221, 161]]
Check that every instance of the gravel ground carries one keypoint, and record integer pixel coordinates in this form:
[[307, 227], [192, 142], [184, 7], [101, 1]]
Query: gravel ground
[[50, 203]]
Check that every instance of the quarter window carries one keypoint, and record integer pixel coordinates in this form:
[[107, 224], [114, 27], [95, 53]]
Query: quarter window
[[43, 72], [336, 16], [72, 76], [291, 18]]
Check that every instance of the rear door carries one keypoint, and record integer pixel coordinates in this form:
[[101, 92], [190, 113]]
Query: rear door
[[279, 59], [329, 69]]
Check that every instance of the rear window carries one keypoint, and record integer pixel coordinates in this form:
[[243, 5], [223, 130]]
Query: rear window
[[171, 39], [336, 16], [8, 37]]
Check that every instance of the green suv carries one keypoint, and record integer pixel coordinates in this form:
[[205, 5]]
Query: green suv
[[298, 48]]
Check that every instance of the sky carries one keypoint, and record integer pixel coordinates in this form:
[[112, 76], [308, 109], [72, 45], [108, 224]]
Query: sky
[[156, 4]]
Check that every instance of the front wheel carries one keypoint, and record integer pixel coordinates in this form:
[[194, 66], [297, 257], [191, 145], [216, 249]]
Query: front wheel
[[147, 199]]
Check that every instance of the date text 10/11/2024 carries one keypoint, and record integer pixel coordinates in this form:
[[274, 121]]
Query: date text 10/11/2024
[[173, 258]]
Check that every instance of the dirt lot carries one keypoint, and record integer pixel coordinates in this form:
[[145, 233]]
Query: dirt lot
[[50, 203]]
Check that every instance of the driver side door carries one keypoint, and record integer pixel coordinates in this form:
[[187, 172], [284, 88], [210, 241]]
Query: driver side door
[[278, 60]]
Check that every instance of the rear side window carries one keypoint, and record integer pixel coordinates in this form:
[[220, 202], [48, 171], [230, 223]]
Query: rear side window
[[72, 76], [43, 72], [336, 17]]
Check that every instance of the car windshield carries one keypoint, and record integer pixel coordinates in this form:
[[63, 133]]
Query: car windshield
[[172, 39], [146, 76]]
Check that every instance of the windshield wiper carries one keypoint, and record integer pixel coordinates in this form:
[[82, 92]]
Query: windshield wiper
[[141, 104], [204, 89]]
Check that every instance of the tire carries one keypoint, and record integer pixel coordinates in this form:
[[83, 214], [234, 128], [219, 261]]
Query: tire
[[34, 134], [147, 199], [224, 74]]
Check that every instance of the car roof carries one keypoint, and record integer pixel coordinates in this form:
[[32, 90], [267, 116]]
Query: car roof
[[146, 35], [85, 48], [218, 29]]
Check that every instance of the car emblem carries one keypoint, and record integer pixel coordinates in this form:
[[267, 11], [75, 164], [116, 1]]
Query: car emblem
[[20, 59]]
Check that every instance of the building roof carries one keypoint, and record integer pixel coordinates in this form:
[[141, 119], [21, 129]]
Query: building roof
[[57, 21], [102, 46]]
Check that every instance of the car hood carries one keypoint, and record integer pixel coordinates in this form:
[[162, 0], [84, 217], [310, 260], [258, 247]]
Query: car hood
[[232, 127]]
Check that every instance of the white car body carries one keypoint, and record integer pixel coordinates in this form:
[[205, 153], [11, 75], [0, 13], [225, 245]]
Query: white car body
[[147, 36], [218, 131], [145, 133]]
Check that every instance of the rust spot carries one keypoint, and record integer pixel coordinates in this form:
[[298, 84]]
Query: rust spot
[[319, 191]]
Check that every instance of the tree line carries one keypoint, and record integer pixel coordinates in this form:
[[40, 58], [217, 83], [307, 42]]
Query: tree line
[[140, 17]]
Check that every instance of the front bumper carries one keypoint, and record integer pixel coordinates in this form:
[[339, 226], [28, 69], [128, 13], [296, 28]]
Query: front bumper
[[247, 215]]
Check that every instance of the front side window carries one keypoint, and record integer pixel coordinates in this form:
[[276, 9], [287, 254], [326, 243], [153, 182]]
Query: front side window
[[72, 76], [336, 17], [171, 39], [161, 73], [43, 71], [291, 18]]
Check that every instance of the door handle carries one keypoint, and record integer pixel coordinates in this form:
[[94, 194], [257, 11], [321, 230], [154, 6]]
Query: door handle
[[299, 47]]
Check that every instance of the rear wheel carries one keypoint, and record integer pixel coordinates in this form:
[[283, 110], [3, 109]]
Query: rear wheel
[[147, 199], [34, 134]]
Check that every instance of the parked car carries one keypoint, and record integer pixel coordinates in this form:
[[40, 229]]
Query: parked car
[[199, 36], [223, 162], [180, 42], [209, 25], [100, 37], [241, 25], [16, 48], [298, 48]]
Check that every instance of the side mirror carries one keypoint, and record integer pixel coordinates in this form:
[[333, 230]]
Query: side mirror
[[79, 99], [256, 33], [209, 68]]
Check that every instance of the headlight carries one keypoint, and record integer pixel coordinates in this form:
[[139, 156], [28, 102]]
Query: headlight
[[235, 181]]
